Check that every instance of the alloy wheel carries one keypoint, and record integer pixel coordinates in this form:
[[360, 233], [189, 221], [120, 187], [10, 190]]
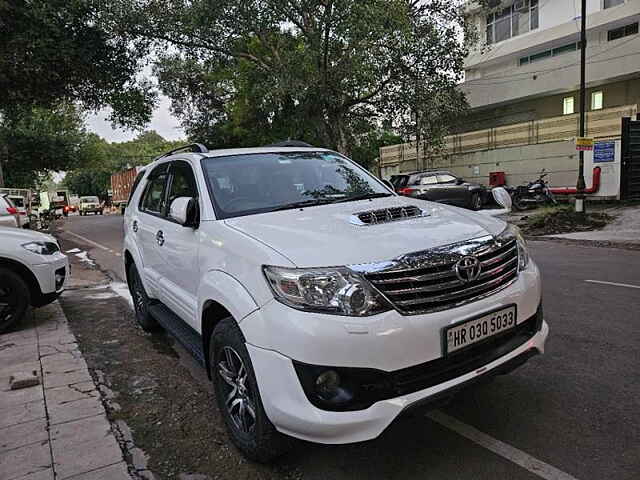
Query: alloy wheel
[[238, 397]]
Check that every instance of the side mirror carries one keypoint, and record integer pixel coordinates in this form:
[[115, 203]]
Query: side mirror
[[389, 185], [503, 199], [184, 211]]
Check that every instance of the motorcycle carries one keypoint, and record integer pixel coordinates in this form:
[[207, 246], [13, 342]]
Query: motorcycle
[[533, 194]]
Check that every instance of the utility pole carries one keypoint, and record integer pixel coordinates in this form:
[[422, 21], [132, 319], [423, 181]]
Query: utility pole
[[580, 187]]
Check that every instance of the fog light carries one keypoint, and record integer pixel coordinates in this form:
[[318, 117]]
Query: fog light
[[327, 384]]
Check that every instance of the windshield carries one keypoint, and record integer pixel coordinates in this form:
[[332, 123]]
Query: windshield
[[89, 200], [257, 183]]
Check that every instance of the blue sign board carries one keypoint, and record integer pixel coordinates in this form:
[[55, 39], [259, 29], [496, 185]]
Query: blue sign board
[[604, 152]]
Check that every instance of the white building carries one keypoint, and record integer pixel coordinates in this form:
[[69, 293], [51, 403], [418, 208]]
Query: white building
[[531, 68], [522, 84]]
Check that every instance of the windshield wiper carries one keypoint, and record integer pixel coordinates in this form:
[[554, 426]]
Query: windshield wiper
[[364, 196], [302, 204]]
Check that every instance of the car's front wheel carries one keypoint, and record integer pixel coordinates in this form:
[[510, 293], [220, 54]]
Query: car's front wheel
[[14, 299], [238, 398]]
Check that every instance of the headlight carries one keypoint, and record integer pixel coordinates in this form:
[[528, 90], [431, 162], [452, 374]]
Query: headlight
[[328, 290], [42, 248], [523, 251]]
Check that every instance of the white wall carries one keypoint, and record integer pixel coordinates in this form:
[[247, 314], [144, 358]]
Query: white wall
[[522, 164], [557, 12], [610, 174]]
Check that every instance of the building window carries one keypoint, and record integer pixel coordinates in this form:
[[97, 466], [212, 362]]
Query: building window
[[596, 100], [621, 32], [571, 47], [612, 3], [567, 106], [512, 21]]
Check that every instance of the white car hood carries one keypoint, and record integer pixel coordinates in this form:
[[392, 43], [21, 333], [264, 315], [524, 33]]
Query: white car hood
[[23, 236], [323, 235]]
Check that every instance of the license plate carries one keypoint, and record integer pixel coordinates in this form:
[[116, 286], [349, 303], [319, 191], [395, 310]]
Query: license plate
[[477, 329]]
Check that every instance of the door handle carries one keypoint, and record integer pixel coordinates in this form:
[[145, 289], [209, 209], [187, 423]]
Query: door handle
[[160, 237], [134, 226]]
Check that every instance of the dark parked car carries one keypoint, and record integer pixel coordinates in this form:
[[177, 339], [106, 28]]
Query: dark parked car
[[440, 186]]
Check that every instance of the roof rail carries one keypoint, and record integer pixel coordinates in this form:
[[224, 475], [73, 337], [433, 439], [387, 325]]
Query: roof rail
[[192, 147], [289, 143]]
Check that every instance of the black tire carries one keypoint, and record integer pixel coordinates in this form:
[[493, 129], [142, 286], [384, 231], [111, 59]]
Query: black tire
[[518, 204], [476, 201], [100, 212], [15, 299], [259, 441], [141, 302]]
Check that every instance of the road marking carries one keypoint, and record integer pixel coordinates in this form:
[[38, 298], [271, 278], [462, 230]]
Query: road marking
[[524, 460], [614, 284], [90, 242]]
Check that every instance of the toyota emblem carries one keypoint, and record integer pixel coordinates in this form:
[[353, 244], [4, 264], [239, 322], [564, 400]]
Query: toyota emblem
[[468, 269]]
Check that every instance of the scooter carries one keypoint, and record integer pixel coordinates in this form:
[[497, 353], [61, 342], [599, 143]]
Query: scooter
[[533, 194]]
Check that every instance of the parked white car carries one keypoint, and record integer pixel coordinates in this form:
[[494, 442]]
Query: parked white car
[[322, 304], [32, 273], [9, 216]]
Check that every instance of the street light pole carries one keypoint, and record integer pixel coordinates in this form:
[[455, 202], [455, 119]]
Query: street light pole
[[580, 187]]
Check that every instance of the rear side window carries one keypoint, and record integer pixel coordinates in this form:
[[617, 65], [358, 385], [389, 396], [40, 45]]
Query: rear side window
[[153, 198], [428, 180], [446, 178]]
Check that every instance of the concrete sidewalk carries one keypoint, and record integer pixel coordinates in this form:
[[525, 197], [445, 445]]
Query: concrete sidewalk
[[57, 429]]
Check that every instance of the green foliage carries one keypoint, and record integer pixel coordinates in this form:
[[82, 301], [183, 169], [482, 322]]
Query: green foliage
[[36, 141], [101, 159], [368, 148], [324, 71], [54, 51]]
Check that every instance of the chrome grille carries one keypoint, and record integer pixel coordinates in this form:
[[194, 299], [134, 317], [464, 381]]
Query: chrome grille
[[434, 285], [385, 215]]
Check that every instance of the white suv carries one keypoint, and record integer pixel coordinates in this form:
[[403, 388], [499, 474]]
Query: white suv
[[321, 303]]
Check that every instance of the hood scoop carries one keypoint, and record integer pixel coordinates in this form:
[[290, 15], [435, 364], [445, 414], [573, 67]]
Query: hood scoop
[[386, 215]]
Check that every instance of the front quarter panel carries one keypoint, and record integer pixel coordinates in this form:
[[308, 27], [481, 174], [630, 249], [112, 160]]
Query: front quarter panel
[[231, 263]]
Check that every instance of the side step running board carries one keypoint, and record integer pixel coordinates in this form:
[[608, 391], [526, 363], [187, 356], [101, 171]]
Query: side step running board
[[187, 336]]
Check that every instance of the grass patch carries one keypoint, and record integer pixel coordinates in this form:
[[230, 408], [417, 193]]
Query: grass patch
[[563, 219]]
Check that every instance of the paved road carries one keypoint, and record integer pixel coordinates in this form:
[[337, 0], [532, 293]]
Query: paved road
[[572, 413]]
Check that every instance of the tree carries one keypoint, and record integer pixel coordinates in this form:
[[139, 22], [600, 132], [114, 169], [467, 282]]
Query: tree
[[101, 159], [67, 50], [37, 141], [327, 71]]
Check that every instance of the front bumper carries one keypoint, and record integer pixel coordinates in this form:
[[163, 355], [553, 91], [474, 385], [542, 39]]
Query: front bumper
[[51, 272], [277, 336], [292, 414]]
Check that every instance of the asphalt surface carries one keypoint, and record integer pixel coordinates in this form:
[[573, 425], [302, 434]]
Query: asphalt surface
[[571, 413]]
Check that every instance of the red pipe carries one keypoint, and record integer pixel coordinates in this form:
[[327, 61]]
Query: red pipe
[[595, 185]]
